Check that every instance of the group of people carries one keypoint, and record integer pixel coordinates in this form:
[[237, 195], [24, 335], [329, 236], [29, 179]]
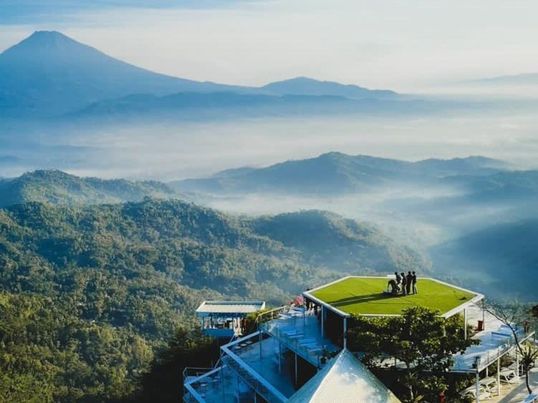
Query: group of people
[[403, 284]]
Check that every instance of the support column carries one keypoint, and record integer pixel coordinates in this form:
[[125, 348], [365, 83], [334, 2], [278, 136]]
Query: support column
[[517, 362], [465, 323], [322, 320], [260, 343], [345, 333], [295, 368], [499, 376], [477, 386], [279, 356], [484, 314]]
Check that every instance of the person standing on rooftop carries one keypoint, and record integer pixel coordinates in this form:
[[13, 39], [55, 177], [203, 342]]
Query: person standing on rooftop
[[408, 281], [403, 283]]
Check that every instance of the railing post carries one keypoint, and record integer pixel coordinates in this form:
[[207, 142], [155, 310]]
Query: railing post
[[498, 376], [322, 320], [477, 386]]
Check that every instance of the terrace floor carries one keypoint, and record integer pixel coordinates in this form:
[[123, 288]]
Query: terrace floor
[[364, 295], [494, 341]]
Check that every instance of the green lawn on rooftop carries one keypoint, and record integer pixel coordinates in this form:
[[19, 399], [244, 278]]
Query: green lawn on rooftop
[[365, 296]]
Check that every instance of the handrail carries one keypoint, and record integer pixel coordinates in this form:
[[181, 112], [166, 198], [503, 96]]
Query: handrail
[[253, 374], [271, 312]]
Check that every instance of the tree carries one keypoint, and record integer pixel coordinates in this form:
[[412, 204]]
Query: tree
[[534, 311], [422, 340], [529, 354], [188, 348], [517, 316]]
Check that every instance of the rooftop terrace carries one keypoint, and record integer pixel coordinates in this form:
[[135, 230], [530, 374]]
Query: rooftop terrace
[[365, 296]]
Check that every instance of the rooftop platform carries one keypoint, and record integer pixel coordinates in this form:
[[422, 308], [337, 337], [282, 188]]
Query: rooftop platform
[[365, 296], [237, 308]]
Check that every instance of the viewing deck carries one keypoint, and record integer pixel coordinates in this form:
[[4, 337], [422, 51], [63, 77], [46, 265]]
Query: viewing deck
[[365, 296], [495, 341]]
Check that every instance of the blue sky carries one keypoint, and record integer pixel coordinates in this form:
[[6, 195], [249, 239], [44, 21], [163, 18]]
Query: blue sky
[[404, 45]]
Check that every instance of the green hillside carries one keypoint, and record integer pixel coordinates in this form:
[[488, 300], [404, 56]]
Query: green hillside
[[96, 290], [57, 187], [494, 257]]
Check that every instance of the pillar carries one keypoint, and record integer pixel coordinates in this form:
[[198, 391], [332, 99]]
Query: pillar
[[295, 369], [279, 356], [345, 333], [322, 320], [477, 386], [517, 363], [499, 376], [484, 314]]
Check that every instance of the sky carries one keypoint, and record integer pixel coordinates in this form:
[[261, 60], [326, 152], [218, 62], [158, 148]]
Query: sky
[[405, 45]]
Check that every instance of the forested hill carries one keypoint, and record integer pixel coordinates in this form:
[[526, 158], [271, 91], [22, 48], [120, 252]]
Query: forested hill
[[57, 187], [336, 173], [88, 293]]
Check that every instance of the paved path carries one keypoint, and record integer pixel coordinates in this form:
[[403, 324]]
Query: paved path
[[519, 393]]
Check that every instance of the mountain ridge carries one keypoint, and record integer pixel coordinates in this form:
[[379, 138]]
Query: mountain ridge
[[71, 75], [335, 173]]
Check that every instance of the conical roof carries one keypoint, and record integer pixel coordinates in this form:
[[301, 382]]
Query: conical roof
[[344, 379]]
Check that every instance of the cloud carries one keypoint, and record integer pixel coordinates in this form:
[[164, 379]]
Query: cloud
[[34, 11]]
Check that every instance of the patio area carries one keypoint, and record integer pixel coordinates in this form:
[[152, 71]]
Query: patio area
[[495, 340]]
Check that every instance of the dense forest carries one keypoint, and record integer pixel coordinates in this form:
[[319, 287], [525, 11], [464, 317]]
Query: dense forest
[[89, 295]]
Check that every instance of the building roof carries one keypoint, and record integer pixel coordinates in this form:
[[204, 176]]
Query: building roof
[[344, 379], [364, 295], [229, 307]]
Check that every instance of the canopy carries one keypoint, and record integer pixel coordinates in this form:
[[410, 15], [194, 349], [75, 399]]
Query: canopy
[[344, 379], [232, 308]]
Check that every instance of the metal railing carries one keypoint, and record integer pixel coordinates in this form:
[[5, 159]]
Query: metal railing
[[248, 374], [199, 376], [270, 315]]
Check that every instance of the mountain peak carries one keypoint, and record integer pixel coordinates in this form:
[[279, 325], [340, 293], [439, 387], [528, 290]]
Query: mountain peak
[[44, 40]]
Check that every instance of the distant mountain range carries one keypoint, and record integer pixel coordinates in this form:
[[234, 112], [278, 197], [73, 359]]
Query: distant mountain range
[[328, 174], [309, 86], [336, 173], [50, 74]]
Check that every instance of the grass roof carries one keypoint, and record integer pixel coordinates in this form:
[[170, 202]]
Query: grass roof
[[364, 295]]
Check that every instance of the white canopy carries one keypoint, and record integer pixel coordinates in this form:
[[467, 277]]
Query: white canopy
[[344, 379], [233, 308]]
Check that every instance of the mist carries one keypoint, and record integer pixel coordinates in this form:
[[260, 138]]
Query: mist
[[176, 150]]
